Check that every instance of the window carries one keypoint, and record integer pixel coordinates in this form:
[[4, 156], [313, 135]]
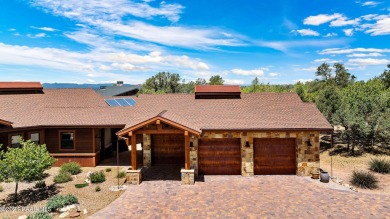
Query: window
[[15, 141], [67, 140], [34, 137]]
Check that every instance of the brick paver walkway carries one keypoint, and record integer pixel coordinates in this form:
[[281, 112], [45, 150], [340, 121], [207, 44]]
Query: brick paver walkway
[[236, 196]]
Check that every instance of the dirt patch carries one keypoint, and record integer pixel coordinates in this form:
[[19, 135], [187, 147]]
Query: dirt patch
[[33, 199], [344, 165]]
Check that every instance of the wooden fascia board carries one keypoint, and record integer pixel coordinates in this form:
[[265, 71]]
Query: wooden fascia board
[[5, 122]]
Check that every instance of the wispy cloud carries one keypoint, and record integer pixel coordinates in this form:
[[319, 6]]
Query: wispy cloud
[[38, 35], [381, 27], [307, 32], [321, 19], [371, 3], [348, 32], [368, 61], [253, 72], [284, 46], [327, 60], [373, 54], [49, 29], [336, 51]]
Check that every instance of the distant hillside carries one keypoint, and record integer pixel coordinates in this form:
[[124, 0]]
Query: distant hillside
[[72, 85]]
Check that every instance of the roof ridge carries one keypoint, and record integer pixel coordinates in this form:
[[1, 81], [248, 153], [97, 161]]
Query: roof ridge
[[162, 112]]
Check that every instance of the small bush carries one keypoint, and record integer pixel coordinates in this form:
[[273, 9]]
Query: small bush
[[97, 177], [97, 189], [40, 184], [71, 167], [365, 180], [380, 165], [81, 185], [108, 169], [1, 188], [58, 201], [63, 177], [40, 215], [121, 174]]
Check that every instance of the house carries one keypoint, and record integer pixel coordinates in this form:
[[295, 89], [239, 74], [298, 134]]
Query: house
[[119, 89], [216, 131]]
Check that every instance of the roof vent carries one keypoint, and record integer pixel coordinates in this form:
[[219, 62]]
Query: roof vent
[[21, 88], [217, 92]]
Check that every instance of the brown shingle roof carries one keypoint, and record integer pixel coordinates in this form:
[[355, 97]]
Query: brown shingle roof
[[20, 85], [82, 107], [217, 89]]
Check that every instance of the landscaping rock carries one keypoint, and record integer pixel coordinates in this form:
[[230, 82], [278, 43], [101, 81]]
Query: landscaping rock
[[64, 215], [23, 217], [116, 189], [74, 214], [67, 208]]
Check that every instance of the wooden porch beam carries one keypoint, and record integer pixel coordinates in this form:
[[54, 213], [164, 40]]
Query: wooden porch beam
[[134, 152], [162, 131], [187, 150]]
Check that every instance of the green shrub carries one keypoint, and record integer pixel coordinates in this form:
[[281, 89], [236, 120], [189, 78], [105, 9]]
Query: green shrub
[[63, 177], [363, 179], [121, 174], [71, 167], [108, 169], [380, 165], [97, 189], [97, 177], [1, 188], [40, 215], [81, 185], [40, 184], [58, 201]]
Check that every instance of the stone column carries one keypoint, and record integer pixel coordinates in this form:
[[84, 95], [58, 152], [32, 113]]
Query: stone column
[[308, 157], [247, 154], [134, 177], [147, 153], [187, 177], [194, 154]]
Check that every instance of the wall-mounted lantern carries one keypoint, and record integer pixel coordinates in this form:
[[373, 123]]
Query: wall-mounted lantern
[[247, 144]]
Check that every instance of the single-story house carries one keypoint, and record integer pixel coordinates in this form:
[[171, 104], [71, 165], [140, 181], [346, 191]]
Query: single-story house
[[217, 130]]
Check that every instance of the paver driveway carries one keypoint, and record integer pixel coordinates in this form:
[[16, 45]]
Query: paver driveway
[[236, 196]]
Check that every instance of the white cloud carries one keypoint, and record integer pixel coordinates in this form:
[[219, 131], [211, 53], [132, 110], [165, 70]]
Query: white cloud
[[343, 21], [337, 51], [254, 72], [49, 29], [381, 27], [348, 32], [330, 34], [302, 80], [327, 60], [286, 45], [39, 35], [321, 19], [307, 32], [371, 3], [373, 54], [273, 74], [308, 69], [234, 81], [368, 61]]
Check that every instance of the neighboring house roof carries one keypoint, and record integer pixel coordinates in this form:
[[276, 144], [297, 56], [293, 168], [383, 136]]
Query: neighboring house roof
[[20, 85], [84, 107], [117, 90], [217, 89]]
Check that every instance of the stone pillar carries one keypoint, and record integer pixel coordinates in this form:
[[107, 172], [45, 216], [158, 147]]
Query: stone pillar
[[194, 154], [187, 177], [147, 153], [134, 177], [308, 157], [247, 154]]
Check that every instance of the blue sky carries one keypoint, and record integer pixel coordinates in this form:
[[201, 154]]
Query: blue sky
[[279, 41]]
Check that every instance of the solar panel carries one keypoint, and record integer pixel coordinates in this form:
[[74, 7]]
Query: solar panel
[[120, 102], [130, 101], [112, 102]]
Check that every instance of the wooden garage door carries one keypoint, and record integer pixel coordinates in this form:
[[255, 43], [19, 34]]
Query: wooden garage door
[[219, 156], [274, 156], [167, 149]]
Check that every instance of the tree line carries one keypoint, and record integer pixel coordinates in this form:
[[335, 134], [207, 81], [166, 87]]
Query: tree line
[[361, 109]]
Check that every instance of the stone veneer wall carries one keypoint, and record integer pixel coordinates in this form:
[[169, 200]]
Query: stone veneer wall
[[194, 154], [147, 152], [308, 158]]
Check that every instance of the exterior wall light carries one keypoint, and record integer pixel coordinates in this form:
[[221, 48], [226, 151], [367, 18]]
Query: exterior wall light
[[191, 144], [308, 143], [247, 144]]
